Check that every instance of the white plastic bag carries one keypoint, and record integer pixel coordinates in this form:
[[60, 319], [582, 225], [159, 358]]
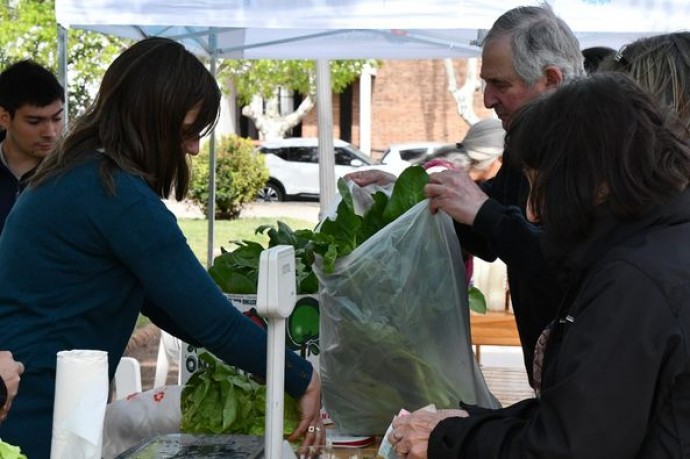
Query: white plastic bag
[[132, 420], [394, 328]]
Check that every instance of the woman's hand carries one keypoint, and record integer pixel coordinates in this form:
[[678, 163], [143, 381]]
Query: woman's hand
[[410, 436], [310, 415], [10, 372]]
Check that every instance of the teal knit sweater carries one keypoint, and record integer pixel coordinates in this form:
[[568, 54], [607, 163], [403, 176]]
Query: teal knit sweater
[[77, 265]]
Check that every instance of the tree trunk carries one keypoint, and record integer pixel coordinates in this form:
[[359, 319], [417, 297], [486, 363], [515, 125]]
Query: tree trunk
[[270, 123], [464, 96]]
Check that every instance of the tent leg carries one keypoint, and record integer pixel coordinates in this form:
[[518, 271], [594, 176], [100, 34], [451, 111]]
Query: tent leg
[[324, 105]]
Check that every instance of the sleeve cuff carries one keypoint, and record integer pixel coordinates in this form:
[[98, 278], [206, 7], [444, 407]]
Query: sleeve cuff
[[298, 373]]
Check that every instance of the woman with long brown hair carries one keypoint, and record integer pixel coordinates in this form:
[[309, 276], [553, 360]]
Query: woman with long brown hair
[[90, 245]]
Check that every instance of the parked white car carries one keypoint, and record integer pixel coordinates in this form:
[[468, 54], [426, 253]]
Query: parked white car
[[293, 165], [401, 155]]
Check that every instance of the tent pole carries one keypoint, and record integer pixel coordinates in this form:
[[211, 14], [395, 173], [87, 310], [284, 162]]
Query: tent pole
[[62, 35], [365, 108], [213, 45], [324, 105]]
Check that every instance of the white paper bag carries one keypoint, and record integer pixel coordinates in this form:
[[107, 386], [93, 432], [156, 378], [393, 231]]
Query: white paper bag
[[81, 394]]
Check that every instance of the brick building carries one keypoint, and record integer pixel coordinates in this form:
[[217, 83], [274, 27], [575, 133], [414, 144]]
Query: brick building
[[410, 102]]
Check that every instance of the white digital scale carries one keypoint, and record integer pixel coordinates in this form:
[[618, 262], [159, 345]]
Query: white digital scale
[[276, 293]]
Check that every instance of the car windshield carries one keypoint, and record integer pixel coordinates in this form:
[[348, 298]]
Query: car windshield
[[358, 154]]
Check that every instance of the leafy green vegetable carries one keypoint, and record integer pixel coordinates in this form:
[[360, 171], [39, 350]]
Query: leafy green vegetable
[[8, 451], [477, 300], [338, 238], [238, 271], [219, 399]]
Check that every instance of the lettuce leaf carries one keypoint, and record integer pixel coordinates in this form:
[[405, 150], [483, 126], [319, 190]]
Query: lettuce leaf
[[219, 399], [338, 238], [8, 451]]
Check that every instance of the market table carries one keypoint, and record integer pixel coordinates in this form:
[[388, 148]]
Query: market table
[[209, 446]]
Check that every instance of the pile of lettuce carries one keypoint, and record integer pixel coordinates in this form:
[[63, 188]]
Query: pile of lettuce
[[237, 271], [219, 399]]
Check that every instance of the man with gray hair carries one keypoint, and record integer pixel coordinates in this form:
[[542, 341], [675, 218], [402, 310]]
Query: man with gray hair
[[528, 51]]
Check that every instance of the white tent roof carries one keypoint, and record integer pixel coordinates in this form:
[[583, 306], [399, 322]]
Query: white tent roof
[[315, 29]]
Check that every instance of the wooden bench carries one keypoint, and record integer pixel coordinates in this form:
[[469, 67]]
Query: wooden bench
[[495, 328]]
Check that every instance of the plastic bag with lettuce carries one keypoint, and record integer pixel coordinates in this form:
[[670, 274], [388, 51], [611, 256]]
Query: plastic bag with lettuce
[[394, 310]]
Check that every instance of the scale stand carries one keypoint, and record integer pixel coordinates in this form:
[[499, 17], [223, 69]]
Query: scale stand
[[275, 299]]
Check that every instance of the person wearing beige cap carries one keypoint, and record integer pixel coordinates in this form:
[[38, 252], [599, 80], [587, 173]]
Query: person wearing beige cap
[[479, 153]]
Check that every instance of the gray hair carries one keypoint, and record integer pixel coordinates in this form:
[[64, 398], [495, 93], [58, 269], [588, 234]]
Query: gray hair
[[539, 38]]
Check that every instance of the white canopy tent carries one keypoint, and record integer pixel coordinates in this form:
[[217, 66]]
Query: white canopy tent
[[351, 29], [346, 29]]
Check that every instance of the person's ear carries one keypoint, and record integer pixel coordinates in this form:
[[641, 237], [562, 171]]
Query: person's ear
[[554, 76], [5, 118]]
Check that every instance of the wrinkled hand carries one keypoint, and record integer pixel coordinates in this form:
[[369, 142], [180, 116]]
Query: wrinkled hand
[[456, 194], [410, 436], [371, 177], [310, 415], [10, 372]]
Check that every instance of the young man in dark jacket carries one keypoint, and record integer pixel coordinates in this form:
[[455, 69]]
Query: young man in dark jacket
[[31, 106], [31, 110]]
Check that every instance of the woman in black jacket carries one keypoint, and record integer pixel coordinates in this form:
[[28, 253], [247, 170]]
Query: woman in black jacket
[[609, 173]]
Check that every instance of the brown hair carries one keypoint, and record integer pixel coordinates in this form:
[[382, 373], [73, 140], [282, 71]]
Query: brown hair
[[136, 119], [661, 65]]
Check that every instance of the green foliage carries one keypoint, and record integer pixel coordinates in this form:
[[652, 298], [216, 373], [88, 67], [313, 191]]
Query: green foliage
[[218, 399], [8, 451], [243, 229], [29, 31], [337, 238], [240, 174], [262, 77], [238, 271], [477, 300]]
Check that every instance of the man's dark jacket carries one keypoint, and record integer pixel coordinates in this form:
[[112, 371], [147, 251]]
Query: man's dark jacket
[[500, 230]]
